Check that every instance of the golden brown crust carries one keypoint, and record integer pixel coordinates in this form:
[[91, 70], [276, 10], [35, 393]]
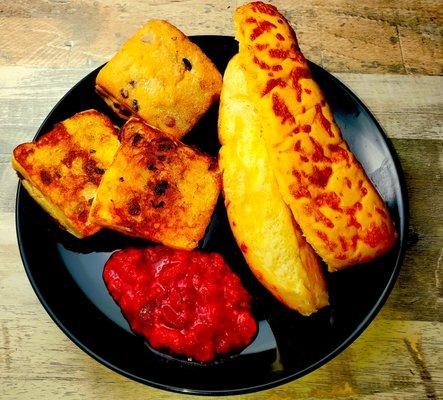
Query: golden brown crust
[[269, 239], [162, 77], [63, 168], [157, 188], [338, 209]]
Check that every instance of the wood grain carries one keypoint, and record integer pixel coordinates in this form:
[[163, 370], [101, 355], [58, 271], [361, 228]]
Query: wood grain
[[389, 53], [401, 36]]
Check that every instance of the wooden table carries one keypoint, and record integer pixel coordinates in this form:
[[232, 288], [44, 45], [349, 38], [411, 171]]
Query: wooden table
[[389, 52]]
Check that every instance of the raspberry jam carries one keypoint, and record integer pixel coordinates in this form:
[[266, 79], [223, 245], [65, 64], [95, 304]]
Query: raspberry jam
[[187, 302]]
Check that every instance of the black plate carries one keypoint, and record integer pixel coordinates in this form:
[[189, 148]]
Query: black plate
[[66, 272]]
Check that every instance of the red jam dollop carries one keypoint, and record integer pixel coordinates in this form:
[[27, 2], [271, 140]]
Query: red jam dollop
[[187, 302]]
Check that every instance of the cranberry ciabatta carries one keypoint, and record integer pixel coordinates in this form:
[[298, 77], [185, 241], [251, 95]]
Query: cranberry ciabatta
[[157, 188], [162, 77], [64, 167]]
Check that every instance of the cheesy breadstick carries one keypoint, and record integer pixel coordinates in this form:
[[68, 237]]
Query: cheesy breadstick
[[338, 209]]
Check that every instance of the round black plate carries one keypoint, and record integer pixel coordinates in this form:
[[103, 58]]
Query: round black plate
[[66, 272]]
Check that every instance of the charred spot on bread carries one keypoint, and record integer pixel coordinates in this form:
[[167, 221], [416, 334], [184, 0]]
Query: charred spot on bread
[[136, 138], [151, 166], [134, 207], [160, 204], [45, 177], [160, 187]]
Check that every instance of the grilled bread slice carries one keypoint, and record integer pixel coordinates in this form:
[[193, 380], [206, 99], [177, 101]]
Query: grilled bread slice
[[64, 167], [263, 226], [157, 188], [338, 209], [162, 77]]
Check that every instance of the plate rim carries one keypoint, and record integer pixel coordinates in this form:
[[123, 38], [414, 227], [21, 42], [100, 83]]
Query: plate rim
[[404, 215]]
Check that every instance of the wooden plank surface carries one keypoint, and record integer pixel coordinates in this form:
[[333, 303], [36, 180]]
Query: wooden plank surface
[[400, 36], [388, 52]]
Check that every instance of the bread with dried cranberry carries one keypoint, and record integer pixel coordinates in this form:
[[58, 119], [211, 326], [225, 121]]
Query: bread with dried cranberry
[[64, 167], [157, 188], [162, 77]]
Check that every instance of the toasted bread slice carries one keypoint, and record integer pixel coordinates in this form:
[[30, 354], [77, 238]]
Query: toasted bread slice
[[157, 188], [162, 77], [64, 167], [338, 209], [264, 229]]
